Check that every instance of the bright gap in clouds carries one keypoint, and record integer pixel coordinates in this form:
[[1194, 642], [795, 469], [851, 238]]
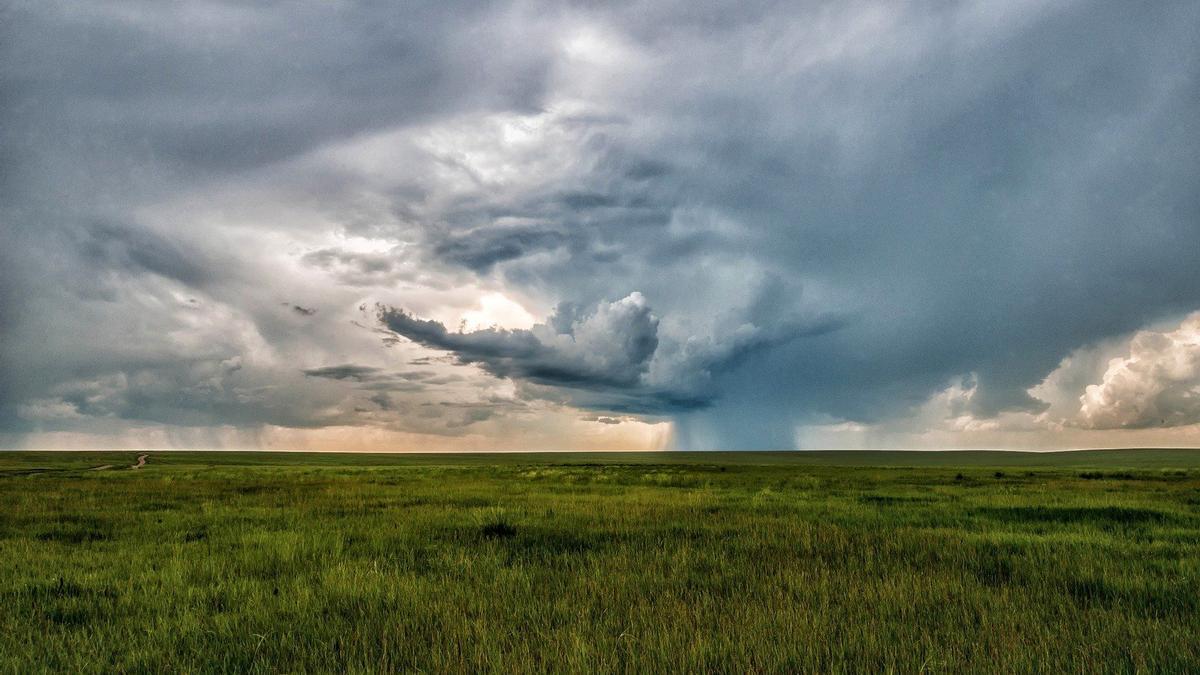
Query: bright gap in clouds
[[496, 310]]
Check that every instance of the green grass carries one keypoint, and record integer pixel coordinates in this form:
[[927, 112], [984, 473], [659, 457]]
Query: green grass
[[778, 562]]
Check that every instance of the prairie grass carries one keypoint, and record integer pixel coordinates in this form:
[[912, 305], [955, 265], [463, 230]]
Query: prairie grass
[[627, 563]]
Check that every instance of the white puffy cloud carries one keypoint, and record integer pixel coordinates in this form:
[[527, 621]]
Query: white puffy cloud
[[1156, 385], [1131, 390], [1150, 379]]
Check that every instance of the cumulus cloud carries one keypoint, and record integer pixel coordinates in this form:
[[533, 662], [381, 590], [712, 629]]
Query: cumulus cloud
[[1139, 389], [1157, 384], [610, 346], [613, 352]]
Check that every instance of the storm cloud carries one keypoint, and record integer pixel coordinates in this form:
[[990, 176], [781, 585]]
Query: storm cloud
[[610, 347], [757, 225]]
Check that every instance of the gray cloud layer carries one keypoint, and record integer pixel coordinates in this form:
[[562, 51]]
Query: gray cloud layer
[[611, 347], [611, 356], [833, 208]]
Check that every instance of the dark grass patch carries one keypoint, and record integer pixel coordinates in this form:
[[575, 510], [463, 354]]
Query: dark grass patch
[[215, 602], [256, 490], [80, 532], [1092, 592], [552, 548], [16, 473], [417, 560], [1180, 599], [80, 519], [71, 615], [398, 552], [1112, 475], [359, 509], [498, 529], [893, 500], [57, 589], [542, 544], [63, 602], [1086, 515], [1165, 475], [995, 565], [669, 479], [1158, 600], [557, 542], [392, 481]]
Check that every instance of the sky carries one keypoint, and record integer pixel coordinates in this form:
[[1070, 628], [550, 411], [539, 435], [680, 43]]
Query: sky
[[653, 224]]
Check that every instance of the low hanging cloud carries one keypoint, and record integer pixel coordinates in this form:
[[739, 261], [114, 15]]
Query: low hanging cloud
[[1156, 385], [348, 371], [610, 347], [613, 357]]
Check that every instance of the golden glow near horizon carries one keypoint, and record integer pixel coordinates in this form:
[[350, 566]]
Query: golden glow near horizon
[[566, 434]]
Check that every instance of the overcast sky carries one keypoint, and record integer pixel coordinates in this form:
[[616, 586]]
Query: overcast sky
[[619, 225]]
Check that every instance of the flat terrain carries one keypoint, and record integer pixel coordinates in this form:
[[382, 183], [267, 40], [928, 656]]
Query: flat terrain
[[648, 562]]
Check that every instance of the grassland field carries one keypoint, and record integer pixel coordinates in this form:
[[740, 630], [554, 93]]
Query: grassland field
[[639, 562]]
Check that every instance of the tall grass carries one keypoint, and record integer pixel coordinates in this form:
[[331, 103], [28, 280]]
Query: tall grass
[[535, 565]]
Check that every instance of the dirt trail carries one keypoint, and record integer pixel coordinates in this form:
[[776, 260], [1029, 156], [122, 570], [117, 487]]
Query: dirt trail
[[141, 461]]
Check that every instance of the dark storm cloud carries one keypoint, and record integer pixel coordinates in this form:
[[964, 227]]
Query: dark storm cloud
[[610, 347], [611, 354], [1009, 228], [481, 250], [369, 378], [345, 372], [133, 250], [222, 86], [197, 393], [834, 208], [108, 107], [359, 269], [985, 190]]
